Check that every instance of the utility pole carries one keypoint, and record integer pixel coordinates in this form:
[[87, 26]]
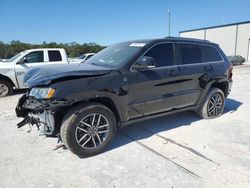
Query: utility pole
[[169, 22]]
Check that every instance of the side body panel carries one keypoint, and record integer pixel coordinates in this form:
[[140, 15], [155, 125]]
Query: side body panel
[[153, 91]]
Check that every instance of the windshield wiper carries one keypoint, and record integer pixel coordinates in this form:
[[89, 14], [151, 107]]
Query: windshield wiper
[[95, 64]]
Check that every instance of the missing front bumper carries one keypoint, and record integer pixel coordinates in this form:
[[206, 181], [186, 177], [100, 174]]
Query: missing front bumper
[[45, 114], [44, 121], [38, 112]]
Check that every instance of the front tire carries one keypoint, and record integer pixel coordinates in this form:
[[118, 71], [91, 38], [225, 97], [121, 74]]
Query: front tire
[[6, 88], [213, 105], [87, 129]]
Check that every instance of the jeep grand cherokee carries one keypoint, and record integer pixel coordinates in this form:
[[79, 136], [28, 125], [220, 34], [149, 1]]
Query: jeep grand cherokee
[[122, 84]]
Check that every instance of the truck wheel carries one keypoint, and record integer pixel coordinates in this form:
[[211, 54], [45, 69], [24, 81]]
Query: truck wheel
[[6, 88], [87, 129], [213, 105]]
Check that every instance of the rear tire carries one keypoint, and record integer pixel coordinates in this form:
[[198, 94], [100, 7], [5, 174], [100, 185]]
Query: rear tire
[[213, 105], [6, 88], [87, 129]]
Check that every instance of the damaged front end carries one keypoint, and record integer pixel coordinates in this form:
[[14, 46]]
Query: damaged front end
[[42, 113]]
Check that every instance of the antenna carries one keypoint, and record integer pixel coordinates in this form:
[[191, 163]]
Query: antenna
[[169, 22]]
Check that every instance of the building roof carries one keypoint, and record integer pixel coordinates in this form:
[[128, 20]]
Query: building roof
[[212, 27]]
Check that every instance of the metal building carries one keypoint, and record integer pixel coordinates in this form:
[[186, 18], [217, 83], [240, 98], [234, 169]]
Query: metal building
[[233, 38]]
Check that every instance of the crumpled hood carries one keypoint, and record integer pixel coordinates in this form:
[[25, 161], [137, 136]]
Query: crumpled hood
[[44, 75]]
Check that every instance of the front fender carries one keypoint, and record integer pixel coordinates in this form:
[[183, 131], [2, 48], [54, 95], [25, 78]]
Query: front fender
[[109, 98]]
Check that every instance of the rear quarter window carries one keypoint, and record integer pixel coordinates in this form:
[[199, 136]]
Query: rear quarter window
[[210, 54], [54, 55]]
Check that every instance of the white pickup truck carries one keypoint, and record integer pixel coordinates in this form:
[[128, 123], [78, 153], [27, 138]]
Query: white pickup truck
[[13, 69]]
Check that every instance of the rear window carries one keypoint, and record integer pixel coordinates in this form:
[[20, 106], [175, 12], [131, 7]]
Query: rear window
[[190, 53], [210, 54], [54, 55]]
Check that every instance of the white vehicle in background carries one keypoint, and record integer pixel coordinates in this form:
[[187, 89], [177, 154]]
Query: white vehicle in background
[[13, 69], [81, 58]]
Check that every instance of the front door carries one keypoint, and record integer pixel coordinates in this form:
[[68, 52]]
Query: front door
[[154, 90], [32, 59], [36, 59]]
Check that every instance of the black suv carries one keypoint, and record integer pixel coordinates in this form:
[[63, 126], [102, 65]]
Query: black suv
[[122, 84]]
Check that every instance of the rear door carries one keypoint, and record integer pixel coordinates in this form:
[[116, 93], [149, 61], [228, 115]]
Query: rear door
[[154, 90], [196, 64]]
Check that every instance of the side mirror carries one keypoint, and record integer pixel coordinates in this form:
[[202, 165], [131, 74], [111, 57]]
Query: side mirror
[[23, 61], [144, 63]]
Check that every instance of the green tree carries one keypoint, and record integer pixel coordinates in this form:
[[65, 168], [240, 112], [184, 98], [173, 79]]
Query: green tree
[[73, 49]]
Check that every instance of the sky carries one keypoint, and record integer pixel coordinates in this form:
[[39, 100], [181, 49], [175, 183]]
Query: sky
[[110, 21]]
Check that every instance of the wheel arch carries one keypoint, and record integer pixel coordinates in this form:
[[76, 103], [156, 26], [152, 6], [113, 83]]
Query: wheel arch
[[108, 102], [223, 85], [217, 83], [8, 79]]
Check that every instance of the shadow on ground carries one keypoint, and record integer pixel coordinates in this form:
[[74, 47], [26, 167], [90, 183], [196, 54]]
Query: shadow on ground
[[231, 105], [148, 128]]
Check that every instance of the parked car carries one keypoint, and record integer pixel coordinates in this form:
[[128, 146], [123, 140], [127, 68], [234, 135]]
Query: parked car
[[236, 59], [82, 58], [3, 60], [125, 83], [13, 69]]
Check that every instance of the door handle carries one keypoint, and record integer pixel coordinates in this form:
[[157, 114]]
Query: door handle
[[208, 67], [174, 72]]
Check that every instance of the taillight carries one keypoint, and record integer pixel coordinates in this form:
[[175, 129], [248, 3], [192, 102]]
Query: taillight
[[230, 71]]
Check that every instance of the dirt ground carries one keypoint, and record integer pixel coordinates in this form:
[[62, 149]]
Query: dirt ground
[[179, 150]]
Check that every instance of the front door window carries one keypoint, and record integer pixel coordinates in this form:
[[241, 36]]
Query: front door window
[[34, 57]]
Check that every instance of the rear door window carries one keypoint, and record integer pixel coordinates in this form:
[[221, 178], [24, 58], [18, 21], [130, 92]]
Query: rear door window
[[54, 55], [190, 53], [163, 54]]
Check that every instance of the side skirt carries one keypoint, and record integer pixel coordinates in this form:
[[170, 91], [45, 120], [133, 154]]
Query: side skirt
[[126, 123]]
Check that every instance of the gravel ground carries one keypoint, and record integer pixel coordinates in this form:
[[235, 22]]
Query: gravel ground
[[174, 151]]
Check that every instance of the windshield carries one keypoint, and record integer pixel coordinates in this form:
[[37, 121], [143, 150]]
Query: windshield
[[14, 57], [114, 56]]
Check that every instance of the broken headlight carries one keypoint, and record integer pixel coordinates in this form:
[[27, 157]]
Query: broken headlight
[[42, 93]]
